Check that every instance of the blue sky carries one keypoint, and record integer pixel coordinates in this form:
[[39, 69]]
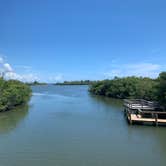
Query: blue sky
[[56, 40]]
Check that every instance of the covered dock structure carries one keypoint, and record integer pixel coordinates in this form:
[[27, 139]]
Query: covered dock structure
[[138, 111]]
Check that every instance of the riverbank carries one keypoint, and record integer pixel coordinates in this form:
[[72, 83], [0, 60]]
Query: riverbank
[[133, 88]]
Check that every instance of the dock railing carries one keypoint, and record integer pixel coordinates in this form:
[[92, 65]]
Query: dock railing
[[138, 110], [140, 104]]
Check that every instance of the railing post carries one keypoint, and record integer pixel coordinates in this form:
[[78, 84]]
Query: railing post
[[156, 119], [130, 120]]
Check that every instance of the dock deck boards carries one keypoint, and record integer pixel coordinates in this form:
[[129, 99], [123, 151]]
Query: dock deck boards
[[140, 119]]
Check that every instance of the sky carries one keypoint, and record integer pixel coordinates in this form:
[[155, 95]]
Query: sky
[[57, 40]]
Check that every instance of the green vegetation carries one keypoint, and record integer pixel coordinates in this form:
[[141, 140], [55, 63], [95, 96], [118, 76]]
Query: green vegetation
[[13, 93], [132, 87], [36, 83], [82, 82], [161, 88]]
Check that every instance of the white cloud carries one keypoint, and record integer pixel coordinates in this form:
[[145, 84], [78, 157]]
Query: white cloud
[[1, 60], [12, 75], [29, 78], [24, 67], [7, 67], [7, 71], [21, 77], [28, 75], [139, 69], [56, 78]]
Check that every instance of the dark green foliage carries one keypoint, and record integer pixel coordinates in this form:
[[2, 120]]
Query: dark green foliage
[[13, 93], [36, 83], [82, 82], [128, 87], [161, 88]]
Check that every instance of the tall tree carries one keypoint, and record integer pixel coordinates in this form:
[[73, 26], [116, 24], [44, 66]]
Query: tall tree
[[162, 88]]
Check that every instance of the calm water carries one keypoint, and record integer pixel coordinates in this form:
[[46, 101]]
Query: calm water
[[65, 126]]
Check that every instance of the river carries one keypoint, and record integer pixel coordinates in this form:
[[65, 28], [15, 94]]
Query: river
[[66, 126]]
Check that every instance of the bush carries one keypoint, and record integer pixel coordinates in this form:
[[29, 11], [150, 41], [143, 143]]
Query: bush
[[161, 88], [128, 87], [13, 93]]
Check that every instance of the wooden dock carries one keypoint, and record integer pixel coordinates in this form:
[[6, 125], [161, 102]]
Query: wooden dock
[[144, 112]]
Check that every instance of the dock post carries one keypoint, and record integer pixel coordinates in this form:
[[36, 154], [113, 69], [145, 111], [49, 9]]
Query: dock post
[[156, 119], [130, 120], [125, 112]]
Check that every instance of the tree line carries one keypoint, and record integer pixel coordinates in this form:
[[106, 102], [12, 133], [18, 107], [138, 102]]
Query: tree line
[[13, 93], [133, 88], [36, 83], [82, 82]]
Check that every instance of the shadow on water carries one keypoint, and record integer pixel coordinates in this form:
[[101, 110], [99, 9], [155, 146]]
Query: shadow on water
[[9, 120], [116, 103]]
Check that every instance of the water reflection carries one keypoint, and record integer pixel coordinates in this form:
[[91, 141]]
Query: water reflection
[[117, 103], [9, 120]]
